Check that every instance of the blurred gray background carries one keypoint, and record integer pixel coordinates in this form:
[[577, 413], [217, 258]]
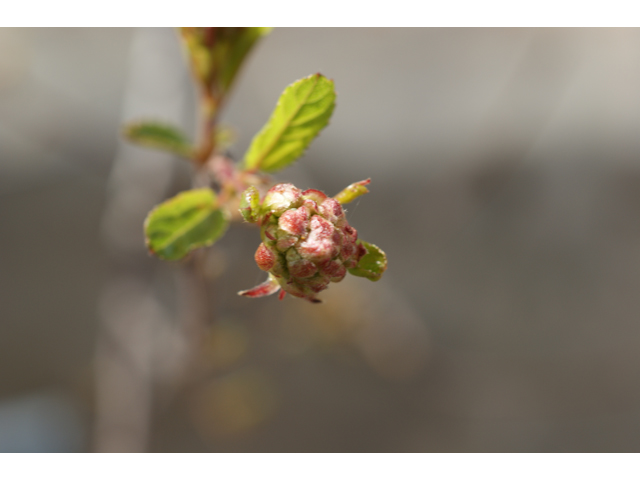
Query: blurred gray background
[[505, 168]]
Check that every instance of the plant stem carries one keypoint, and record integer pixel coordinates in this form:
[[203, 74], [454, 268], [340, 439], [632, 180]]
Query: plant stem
[[208, 118]]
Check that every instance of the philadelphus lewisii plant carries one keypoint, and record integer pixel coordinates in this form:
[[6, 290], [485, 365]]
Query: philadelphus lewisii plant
[[307, 242]]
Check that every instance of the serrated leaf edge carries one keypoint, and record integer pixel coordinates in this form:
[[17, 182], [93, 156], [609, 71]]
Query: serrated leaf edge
[[157, 251], [258, 165]]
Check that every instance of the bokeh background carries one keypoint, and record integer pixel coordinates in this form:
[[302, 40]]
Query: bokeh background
[[505, 168]]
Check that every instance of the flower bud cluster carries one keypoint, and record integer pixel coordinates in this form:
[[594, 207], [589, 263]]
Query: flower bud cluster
[[306, 240]]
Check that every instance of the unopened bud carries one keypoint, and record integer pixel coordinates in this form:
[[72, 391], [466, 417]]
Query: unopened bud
[[280, 198], [265, 258], [307, 242]]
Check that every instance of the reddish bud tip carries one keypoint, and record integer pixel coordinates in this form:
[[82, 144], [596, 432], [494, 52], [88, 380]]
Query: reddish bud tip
[[267, 288], [331, 209], [315, 195], [294, 221], [321, 228], [265, 258], [319, 245]]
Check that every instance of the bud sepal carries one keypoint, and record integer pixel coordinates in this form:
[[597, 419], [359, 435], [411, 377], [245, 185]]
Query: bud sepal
[[249, 204], [269, 287], [353, 191], [372, 264]]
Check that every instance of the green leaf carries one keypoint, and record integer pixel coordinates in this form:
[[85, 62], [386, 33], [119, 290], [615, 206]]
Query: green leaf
[[217, 53], [240, 45], [353, 191], [304, 108], [249, 201], [189, 220], [159, 135], [372, 265]]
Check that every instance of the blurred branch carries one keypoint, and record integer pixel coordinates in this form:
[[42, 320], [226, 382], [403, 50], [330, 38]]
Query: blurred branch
[[134, 323]]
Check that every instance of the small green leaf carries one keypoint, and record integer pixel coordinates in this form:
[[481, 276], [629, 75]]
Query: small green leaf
[[249, 201], [217, 53], [242, 41], [304, 108], [189, 220], [159, 135], [372, 265], [353, 191]]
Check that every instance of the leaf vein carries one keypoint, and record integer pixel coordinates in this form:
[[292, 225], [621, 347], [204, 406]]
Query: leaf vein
[[286, 125]]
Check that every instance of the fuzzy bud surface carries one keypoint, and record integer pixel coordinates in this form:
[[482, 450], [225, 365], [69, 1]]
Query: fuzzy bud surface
[[307, 242]]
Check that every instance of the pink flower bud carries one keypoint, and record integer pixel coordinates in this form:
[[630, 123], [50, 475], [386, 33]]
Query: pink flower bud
[[320, 244], [281, 197], [315, 195], [265, 258], [331, 210], [285, 243], [294, 221], [334, 270], [300, 267], [307, 241]]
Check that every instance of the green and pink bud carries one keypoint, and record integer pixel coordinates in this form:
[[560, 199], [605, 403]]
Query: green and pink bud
[[307, 242]]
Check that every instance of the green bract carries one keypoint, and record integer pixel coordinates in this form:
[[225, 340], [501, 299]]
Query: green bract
[[249, 203], [372, 265], [304, 108], [189, 220], [353, 191], [159, 135]]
